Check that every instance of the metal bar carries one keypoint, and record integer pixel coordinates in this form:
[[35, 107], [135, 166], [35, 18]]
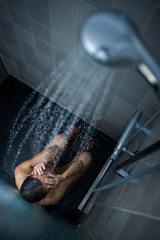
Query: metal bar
[[128, 152], [123, 141], [154, 147], [127, 134], [132, 176], [147, 131], [122, 173], [95, 184]]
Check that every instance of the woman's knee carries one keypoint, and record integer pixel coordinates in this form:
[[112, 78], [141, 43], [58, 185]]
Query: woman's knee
[[86, 158], [60, 140]]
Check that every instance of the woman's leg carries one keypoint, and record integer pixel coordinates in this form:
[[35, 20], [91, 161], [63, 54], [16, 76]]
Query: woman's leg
[[62, 140], [79, 165], [67, 175]]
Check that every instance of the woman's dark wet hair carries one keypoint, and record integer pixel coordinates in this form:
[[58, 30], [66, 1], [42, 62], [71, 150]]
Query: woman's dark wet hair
[[32, 190]]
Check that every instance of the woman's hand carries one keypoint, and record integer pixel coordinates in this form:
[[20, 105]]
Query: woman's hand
[[38, 169], [53, 181], [72, 131]]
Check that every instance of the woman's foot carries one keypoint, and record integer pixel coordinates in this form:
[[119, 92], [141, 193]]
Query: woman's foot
[[88, 146], [72, 131]]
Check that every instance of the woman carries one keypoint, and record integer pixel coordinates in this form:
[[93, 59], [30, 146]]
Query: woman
[[40, 180]]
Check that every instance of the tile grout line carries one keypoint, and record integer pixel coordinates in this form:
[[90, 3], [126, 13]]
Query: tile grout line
[[87, 4], [52, 35], [68, 19], [117, 91], [89, 231], [76, 23], [21, 51], [143, 221], [153, 217], [149, 21], [38, 23], [34, 42], [6, 41], [157, 218], [45, 7], [150, 38], [5, 64]]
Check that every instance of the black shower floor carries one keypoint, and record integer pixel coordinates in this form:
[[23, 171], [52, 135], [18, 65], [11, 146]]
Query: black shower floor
[[13, 94]]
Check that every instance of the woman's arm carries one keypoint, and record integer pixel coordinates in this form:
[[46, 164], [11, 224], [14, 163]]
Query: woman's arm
[[60, 184], [26, 168], [75, 170], [56, 146], [42, 157]]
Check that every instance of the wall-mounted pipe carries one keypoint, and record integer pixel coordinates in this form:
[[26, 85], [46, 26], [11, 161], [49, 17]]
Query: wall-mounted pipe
[[122, 143], [127, 134]]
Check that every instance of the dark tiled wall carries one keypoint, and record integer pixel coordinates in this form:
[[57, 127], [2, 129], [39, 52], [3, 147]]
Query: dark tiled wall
[[129, 210], [38, 36]]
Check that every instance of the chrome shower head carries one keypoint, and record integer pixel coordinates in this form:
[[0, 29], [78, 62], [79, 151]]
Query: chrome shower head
[[111, 38], [108, 37]]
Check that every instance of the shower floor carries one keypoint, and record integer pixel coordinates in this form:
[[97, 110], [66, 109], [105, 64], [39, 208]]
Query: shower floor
[[13, 94]]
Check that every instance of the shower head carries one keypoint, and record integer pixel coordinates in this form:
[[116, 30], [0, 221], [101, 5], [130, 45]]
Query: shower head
[[111, 38], [107, 36]]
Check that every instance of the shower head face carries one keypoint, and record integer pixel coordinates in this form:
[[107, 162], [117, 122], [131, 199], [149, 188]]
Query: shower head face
[[109, 37]]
